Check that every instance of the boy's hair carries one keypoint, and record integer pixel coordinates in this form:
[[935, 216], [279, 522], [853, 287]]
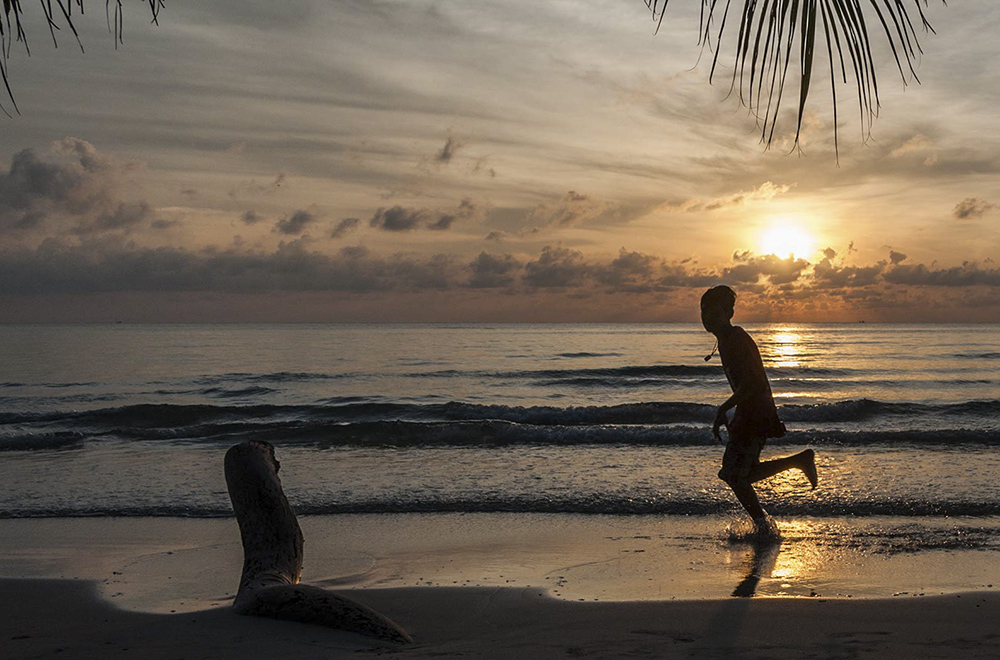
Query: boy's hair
[[721, 295]]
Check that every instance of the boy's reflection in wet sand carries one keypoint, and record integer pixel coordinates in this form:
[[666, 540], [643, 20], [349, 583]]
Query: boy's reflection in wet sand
[[759, 563]]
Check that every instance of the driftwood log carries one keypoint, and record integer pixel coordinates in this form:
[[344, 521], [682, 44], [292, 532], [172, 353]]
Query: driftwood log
[[272, 553]]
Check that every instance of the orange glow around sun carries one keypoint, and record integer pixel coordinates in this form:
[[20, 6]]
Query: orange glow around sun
[[786, 237]]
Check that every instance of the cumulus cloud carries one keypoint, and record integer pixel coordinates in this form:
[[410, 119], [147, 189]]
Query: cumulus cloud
[[968, 274], [102, 266], [401, 219], [344, 226], [491, 270], [749, 268], [295, 224], [251, 217], [397, 219], [556, 266], [971, 207], [71, 187], [631, 271], [828, 275]]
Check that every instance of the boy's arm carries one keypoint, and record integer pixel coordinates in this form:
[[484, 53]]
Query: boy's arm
[[743, 393], [752, 381]]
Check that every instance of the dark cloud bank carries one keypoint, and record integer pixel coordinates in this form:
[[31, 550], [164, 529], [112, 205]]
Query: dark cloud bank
[[102, 265]]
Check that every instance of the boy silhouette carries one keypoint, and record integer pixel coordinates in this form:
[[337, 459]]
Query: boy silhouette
[[756, 417]]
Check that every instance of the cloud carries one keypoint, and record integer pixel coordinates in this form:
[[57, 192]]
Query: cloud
[[100, 265], [826, 274], [769, 287], [251, 217], [344, 226], [556, 267], [968, 274], [481, 166], [447, 152], [165, 224], [572, 209], [763, 193], [294, 224], [400, 219], [252, 188], [496, 235], [750, 268], [971, 207], [71, 188], [630, 271], [124, 216], [919, 144], [397, 219], [491, 271]]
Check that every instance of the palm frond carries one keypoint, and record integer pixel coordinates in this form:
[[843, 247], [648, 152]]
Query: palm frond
[[11, 29], [770, 30]]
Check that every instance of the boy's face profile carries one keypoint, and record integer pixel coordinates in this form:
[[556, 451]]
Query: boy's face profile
[[713, 316]]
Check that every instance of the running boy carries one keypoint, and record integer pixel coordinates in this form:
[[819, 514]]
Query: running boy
[[756, 417]]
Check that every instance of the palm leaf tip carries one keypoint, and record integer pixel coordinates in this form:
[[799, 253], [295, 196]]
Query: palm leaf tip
[[11, 29], [770, 30]]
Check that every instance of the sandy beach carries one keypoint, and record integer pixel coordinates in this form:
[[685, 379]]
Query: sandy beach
[[479, 586], [49, 618]]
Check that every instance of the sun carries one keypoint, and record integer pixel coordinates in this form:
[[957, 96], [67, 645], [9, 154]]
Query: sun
[[786, 237]]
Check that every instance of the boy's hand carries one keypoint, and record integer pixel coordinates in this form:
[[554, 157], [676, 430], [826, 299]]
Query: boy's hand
[[720, 421]]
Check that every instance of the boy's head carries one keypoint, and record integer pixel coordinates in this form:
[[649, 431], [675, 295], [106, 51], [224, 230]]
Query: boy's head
[[717, 307]]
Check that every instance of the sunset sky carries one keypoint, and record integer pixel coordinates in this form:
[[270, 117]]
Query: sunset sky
[[451, 161]]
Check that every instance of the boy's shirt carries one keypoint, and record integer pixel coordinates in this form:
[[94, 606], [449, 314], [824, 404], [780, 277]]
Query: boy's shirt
[[758, 416]]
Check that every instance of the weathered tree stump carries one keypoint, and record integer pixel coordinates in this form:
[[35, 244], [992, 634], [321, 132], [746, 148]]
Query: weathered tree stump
[[272, 553]]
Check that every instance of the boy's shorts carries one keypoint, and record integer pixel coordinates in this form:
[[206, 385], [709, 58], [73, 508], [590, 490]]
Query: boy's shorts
[[742, 455]]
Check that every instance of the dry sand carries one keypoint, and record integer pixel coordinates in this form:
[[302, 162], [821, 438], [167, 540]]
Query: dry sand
[[105, 588], [58, 618]]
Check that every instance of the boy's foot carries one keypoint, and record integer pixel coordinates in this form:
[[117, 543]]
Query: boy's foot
[[809, 467]]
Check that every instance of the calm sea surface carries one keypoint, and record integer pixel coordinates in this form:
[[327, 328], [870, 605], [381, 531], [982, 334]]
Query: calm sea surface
[[611, 419]]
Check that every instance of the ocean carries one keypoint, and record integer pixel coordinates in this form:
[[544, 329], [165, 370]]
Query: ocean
[[134, 420]]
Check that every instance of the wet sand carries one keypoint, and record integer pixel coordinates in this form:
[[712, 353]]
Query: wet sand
[[490, 586]]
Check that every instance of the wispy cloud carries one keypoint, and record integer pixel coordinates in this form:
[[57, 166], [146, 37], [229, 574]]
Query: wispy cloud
[[344, 226]]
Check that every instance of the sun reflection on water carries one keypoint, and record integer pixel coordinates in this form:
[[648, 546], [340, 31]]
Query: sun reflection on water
[[790, 566], [785, 348]]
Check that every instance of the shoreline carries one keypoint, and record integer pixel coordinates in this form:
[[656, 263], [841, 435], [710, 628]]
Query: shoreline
[[185, 564]]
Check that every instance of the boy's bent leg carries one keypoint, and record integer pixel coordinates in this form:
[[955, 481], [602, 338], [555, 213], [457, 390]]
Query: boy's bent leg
[[738, 464], [804, 460]]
